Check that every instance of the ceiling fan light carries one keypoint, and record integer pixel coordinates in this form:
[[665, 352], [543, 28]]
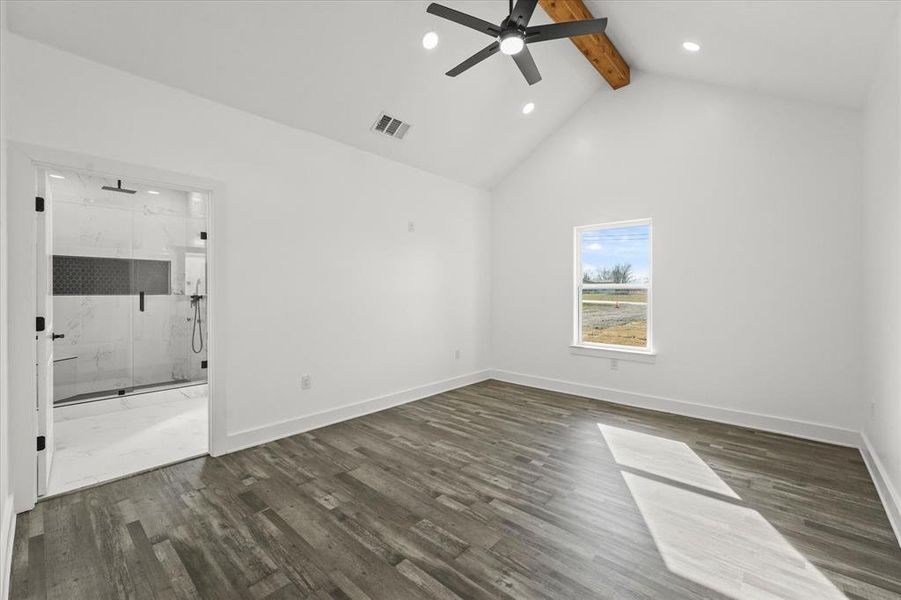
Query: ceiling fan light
[[430, 40], [512, 44]]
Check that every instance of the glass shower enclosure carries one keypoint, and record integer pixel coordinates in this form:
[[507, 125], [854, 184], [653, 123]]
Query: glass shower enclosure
[[129, 286]]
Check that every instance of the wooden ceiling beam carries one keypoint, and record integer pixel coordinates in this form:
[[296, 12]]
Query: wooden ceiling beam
[[598, 49]]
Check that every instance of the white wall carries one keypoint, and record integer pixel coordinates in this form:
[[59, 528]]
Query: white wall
[[882, 274], [6, 505], [755, 204], [318, 273]]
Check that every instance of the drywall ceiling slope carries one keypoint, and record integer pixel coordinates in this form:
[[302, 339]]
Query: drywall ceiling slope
[[819, 50], [331, 67]]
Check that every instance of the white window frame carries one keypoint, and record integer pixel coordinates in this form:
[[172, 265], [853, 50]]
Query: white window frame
[[579, 347]]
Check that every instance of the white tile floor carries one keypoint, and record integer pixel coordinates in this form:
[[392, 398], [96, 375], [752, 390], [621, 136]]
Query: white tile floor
[[107, 439]]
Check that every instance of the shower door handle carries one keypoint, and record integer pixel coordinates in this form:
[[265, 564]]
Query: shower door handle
[[141, 301]]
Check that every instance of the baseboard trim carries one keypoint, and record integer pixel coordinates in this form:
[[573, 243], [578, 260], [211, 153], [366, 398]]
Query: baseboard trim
[[267, 433], [7, 535], [888, 493], [796, 428]]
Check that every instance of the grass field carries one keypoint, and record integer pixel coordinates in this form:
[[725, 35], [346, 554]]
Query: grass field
[[639, 297]]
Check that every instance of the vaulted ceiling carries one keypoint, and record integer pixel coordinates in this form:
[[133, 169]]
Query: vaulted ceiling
[[332, 67], [819, 50]]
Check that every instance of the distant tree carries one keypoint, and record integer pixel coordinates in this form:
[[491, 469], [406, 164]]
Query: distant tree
[[621, 273], [615, 274]]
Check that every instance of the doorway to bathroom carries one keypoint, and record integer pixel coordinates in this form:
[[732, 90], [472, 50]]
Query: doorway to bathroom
[[122, 282]]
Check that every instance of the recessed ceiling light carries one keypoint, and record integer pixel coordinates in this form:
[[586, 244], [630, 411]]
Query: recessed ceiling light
[[512, 44], [691, 46], [430, 40], [55, 176], [528, 107], [154, 192]]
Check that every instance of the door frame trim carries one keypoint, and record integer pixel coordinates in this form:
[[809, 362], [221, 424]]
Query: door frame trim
[[43, 300], [22, 160]]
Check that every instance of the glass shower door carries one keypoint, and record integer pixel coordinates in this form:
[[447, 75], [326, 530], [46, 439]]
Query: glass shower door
[[195, 268], [169, 271], [92, 301], [129, 287]]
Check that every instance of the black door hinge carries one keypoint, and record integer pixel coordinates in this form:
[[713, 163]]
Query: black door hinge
[[39, 324], [42, 443], [38, 204], [203, 364], [203, 235]]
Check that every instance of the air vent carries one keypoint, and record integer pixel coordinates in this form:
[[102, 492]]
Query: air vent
[[390, 126]]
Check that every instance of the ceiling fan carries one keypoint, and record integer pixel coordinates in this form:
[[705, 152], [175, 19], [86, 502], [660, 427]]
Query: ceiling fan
[[513, 35]]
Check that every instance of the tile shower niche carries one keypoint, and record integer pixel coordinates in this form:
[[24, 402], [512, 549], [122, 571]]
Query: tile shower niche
[[129, 287]]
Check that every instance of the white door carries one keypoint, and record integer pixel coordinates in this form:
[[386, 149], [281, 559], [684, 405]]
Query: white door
[[45, 337]]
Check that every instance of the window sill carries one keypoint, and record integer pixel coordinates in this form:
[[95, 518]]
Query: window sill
[[642, 356]]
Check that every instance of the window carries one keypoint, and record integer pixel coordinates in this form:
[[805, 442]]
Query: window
[[613, 286]]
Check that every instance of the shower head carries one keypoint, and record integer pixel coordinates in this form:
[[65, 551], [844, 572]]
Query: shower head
[[118, 188]]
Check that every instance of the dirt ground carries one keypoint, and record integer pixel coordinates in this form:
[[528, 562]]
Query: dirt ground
[[608, 324]]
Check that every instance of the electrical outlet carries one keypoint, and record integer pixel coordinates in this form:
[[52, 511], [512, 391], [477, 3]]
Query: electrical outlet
[[411, 227], [614, 364], [306, 382], [457, 354]]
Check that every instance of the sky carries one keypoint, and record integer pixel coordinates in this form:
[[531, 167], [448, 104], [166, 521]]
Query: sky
[[603, 248]]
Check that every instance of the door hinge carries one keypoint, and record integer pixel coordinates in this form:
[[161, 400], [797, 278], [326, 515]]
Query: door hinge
[[203, 235], [42, 442], [38, 204], [203, 364], [39, 324]]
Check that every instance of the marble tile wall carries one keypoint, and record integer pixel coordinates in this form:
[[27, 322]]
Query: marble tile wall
[[109, 343]]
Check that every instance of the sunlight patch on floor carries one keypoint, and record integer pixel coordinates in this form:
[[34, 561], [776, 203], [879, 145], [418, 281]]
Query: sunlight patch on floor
[[707, 535], [659, 456]]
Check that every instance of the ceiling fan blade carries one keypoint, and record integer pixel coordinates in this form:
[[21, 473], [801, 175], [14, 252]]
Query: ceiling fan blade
[[555, 31], [522, 12], [463, 19], [526, 64], [475, 59]]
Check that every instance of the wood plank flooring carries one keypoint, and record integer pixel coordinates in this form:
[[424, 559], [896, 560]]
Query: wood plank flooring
[[489, 491]]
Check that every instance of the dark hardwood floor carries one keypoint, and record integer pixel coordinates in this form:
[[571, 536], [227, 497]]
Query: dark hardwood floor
[[489, 491]]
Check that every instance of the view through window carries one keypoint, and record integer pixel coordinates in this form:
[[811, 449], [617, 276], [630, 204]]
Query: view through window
[[614, 284]]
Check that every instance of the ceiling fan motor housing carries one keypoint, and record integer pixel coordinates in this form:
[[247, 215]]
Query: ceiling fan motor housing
[[513, 35]]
